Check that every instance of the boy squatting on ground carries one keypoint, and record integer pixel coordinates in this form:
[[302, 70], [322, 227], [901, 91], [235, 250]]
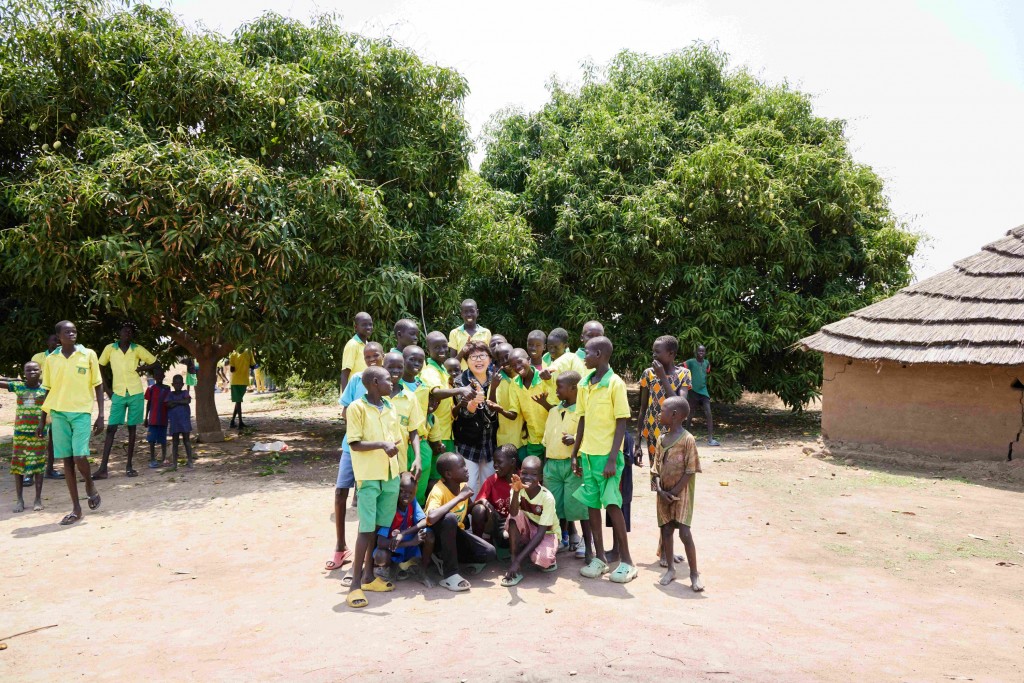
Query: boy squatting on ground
[[405, 548], [447, 508], [532, 525], [28, 454], [603, 410], [491, 509], [673, 478], [72, 379], [375, 437]]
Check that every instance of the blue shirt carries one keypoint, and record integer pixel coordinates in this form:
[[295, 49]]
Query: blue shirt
[[354, 391]]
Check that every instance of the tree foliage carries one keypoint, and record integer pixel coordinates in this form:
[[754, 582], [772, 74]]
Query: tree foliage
[[675, 196], [255, 190]]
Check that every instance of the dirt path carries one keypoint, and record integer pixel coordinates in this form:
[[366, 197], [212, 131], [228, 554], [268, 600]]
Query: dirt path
[[815, 570]]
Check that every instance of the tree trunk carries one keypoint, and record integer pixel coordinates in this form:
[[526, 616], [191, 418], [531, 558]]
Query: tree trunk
[[208, 424]]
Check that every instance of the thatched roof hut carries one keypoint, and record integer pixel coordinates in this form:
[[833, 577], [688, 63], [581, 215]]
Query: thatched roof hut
[[934, 369]]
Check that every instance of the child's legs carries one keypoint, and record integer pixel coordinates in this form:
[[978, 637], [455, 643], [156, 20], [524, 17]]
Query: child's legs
[[512, 527], [481, 515], [71, 479], [39, 487], [667, 540], [362, 563], [691, 549], [472, 548], [346, 480], [174, 452], [445, 544], [187, 443], [707, 417], [596, 532], [618, 523], [132, 433], [19, 486]]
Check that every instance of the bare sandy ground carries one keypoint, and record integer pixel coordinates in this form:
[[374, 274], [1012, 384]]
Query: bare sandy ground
[[816, 570]]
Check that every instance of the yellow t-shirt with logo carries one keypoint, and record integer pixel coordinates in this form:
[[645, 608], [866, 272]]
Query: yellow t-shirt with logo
[[458, 337], [440, 495], [367, 422], [521, 402], [71, 382], [435, 377], [601, 405], [410, 419], [509, 431], [562, 419], [352, 357]]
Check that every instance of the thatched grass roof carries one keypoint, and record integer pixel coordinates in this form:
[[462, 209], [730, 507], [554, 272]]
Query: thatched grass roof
[[971, 313]]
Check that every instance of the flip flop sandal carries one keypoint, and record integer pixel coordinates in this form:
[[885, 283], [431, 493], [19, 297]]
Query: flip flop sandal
[[69, 519], [356, 599], [476, 567], [94, 502], [595, 570], [154, 464], [552, 568], [340, 559], [624, 573], [455, 582], [346, 581], [378, 585], [507, 582], [131, 473], [55, 475]]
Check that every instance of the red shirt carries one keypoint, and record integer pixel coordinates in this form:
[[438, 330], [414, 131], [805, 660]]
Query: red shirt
[[157, 407], [497, 492]]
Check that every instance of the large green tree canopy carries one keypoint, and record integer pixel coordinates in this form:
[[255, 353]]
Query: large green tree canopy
[[255, 190], [675, 196]]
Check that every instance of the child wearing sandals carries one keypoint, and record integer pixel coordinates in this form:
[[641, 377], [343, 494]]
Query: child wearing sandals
[[179, 420], [533, 530], [673, 478], [399, 546]]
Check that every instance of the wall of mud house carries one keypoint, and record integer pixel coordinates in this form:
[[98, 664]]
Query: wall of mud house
[[950, 412]]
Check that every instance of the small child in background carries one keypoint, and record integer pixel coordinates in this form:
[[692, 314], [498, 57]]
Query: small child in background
[[492, 502], [156, 417], [672, 477], [179, 421], [398, 546], [533, 530], [28, 456], [454, 368]]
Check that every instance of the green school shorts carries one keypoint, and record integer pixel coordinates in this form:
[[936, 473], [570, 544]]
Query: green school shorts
[[427, 463], [238, 392], [559, 479], [70, 434], [378, 502], [597, 491], [526, 450], [127, 410]]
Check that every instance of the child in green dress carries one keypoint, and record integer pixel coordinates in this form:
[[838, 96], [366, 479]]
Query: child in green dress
[[28, 458]]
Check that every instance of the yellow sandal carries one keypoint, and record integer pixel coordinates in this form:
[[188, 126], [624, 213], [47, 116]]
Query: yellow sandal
[[356, 599], [378, 585]]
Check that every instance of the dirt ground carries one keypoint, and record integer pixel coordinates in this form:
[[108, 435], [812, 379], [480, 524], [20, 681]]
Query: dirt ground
[[817, 569]]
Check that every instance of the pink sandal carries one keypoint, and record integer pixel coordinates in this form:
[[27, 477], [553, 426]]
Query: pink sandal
[[340, 558]]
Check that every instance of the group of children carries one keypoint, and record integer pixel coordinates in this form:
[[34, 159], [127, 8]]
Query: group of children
[[429, 495], [59, 386]]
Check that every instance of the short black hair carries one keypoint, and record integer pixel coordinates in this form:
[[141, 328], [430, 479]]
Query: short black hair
[[537, 334], [374, 373], [406, 323], [468, 302], [559, 334], [446, 461], [669, 342], [569, 376]]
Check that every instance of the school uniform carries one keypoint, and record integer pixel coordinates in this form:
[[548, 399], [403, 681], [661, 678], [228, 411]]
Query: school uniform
[[71, 383], [600, 405]]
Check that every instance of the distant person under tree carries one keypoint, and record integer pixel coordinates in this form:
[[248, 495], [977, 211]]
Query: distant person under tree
[[700, 367]]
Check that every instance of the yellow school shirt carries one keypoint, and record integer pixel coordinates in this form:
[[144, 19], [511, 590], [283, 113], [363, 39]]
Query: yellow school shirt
[[71, 381], [562, 419], [601, 404], [522, 403], [352, 357], [509, 431], [123, 365], [548, 515], [40, 358], [440, 495], [435, 377], [367, 422], [458, 337], [567, 361], [410, 419], [422, 393], [241, 361]]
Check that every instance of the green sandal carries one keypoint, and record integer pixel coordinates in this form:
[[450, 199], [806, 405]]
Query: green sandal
[[507, 582], [624, 573], [595, 570]]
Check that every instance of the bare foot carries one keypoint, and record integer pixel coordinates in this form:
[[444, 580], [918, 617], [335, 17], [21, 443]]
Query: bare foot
[[668, 577], [19, 506], [696, 583], [37, 506], [99, 474], [425, 579]]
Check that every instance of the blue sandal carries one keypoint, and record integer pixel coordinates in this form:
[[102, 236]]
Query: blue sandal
[[624, 573]]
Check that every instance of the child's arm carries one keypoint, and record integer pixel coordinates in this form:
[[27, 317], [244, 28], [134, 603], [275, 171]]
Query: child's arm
[[41, 429], [517, 486], [389, 447], [435, 515], [574, 464], [613, 456], [496, 407], [645, 395], [417, 465], [542, 400]]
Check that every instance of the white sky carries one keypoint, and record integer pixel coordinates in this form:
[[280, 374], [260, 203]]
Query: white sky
[[933, 91]]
